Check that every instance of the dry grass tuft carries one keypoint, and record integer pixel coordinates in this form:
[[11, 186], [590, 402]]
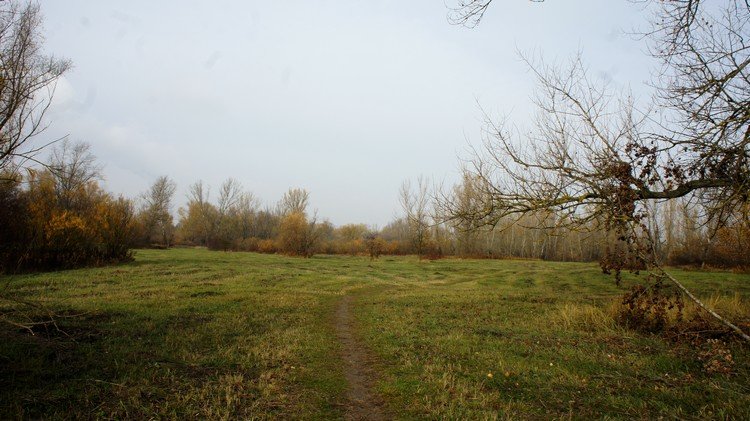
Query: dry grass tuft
[[585, 317], [689, 321]]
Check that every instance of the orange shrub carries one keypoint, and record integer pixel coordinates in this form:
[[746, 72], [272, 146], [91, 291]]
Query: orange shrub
[[55, 227], [267, 246]]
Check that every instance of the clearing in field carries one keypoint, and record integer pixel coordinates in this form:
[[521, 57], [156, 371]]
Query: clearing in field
[[189, 333]]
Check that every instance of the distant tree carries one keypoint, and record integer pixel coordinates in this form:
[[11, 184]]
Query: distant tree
[[199, 219], [245, 210], [156, 213], [73, 166], [27, 82], [297, 235], [235, 213], [466, 198], [397, 236], [351, 232], [197, 222], [416, 206], [265, 224], [294, 201], [732, 248], [350, 238], [374, 244], [230, 193]]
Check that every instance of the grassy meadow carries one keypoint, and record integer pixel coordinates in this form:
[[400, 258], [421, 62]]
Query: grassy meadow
[[191, 333]]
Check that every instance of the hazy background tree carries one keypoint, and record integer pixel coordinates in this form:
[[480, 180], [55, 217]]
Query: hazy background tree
[[226, 223], [265, 224], [294, 201], [156, 212], [245, 212], [397, 236], [198, 218], [415, 202], [350, 238], [297, 235]]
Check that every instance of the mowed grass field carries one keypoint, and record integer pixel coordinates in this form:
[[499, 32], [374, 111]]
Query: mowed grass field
[[190, 333]]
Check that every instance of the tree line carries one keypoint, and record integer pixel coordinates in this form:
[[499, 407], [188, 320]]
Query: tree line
[[58, 216]]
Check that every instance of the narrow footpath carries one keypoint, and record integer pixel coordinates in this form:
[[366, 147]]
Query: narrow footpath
[[363, 403]]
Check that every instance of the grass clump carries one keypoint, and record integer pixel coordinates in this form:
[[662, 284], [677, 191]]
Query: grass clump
[[585, 317], [666, 312]]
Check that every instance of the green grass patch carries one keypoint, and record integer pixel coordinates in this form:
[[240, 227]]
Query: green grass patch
[[189, 333]]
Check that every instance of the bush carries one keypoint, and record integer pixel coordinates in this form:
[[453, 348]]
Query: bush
[[48, 227], [374, 245], [650, 309], [297, 237], [267, 246], [246, 244]]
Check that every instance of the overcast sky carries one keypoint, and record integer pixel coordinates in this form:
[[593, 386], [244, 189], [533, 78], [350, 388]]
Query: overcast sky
[[344, 98]]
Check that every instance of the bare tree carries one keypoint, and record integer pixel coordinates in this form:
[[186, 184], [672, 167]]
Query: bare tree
[[701, 142], [592, 157], [704, 90], [294, 200], [235, 212], [265, 224], [198, 199], [464, 201], [27, 82], [415, 204], [246, 209], [157, 211], [74, 166], [229, 194], [470, 12], [575, 162]]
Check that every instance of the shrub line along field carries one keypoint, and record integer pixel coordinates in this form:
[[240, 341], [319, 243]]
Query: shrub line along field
[[191, 333]]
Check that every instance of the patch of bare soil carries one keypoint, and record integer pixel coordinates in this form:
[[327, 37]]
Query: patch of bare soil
[[363, 403]]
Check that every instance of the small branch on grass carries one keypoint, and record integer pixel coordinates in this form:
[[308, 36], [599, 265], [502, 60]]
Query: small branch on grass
[[623, 376], [106, 382], [51, 316]]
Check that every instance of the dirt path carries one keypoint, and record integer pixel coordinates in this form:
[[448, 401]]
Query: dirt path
[[362, 401]]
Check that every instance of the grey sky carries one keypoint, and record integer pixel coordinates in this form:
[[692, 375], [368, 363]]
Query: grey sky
[[344, 98]]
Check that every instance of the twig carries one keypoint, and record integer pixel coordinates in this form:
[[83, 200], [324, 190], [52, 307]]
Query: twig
[[104, 382]]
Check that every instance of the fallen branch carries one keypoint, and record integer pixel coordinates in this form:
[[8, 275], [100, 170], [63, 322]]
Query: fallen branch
[[700, 304]]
